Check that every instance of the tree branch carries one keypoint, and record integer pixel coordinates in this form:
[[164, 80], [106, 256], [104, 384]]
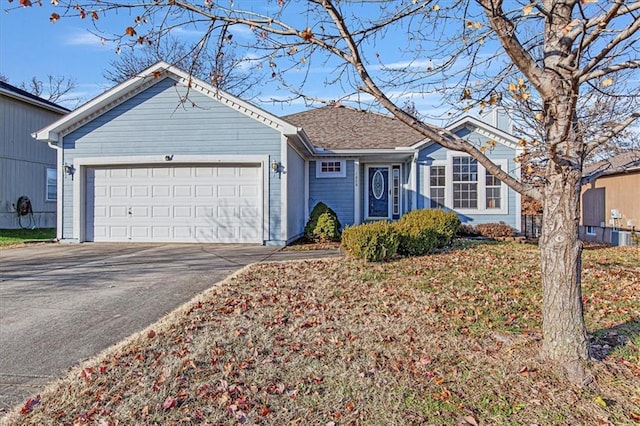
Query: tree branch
[[441, 136], [629, 31], [505, 30]]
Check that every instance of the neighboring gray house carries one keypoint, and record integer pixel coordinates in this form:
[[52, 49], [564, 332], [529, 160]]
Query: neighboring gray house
[[167, 157], [27, 167]]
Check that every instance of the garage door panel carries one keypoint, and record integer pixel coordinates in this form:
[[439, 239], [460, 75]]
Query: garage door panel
[[117, 232], [186, 204], [182, 232], [140, 232], [161, 232], [161, 191], [139, 191], [182, 191], [118, 191]]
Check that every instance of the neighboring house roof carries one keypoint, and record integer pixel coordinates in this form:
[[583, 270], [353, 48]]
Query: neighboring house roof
[[147, 78], [339, 127], [624, 162], [17, 93]]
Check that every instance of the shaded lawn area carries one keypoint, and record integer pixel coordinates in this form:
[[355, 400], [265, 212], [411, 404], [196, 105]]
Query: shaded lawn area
[[12, 237], [446, 339]]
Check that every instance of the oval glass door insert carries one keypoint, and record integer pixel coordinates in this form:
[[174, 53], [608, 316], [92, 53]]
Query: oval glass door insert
[[378, 184]]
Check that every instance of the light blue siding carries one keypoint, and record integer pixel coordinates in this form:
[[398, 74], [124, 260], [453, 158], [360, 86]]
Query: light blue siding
[[337, 193], [154, 122], [295, 194], [435, 152]]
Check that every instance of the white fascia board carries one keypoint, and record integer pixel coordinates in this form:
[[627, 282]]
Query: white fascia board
[[478, 126], [147, 78], [486, 130], [97, 106], [236, 103]]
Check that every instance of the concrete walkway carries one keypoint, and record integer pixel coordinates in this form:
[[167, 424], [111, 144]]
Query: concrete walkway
[[61, 304]]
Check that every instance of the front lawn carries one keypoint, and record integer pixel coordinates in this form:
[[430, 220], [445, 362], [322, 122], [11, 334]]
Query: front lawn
[[11, 237], [446, 339]]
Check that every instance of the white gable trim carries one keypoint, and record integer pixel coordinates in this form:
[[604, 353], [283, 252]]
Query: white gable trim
[[480, 127], [153, 75]]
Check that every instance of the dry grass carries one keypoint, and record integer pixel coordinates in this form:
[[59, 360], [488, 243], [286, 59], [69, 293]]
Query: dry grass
[[445, 339]]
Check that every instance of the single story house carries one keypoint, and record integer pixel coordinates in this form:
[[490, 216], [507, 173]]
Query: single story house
[[611, 201], [165, 157], [27, 167]]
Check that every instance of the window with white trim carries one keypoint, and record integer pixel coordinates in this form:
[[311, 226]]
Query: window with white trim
[[437, 182], [465, 183], [493, 192], [331, 168], [591, 230], [51, 189], [460, 183]]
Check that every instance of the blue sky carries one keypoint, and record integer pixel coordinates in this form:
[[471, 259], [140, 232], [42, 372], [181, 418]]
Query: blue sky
[[31, 46]]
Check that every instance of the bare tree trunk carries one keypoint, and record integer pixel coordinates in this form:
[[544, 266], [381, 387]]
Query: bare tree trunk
[[565, 338]]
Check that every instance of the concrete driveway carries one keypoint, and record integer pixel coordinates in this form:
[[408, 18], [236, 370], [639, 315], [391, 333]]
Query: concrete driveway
[[61, 304]]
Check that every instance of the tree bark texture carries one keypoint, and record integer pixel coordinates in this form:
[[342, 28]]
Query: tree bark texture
[[565, 337]]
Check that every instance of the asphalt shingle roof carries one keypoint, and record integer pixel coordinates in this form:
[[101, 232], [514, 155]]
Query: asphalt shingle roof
[[10, 88], [616, 164], [340, 127]]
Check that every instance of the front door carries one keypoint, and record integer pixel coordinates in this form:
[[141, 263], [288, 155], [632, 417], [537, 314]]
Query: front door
[[378, 192]]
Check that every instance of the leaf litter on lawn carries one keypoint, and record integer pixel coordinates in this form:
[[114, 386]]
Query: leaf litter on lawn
[[451, 338]]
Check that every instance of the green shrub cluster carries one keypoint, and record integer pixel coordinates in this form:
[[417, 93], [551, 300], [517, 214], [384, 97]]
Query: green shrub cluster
[[416, 239], [372, 242], [444, 224], [416, 233], [323, 224], [495, 230]]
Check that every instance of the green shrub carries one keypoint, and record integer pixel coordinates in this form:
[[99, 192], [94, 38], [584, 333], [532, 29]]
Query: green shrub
[[495, 230], [415, 238], [444, 224], [327, 229], [372, 242]]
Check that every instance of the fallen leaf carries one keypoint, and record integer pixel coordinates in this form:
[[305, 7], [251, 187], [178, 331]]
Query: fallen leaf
[[467, 421], [169, 403], [601, 402], [30, 405]]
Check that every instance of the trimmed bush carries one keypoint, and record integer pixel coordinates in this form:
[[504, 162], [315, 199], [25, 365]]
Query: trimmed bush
[[416, 239], [323, 224], [372, 242], [444, 224], [495, 230]]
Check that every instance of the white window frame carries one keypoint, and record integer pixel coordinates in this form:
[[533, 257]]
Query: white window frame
[[442, 164], [54, 173], [482, 173], [339, 174], [591, 230]]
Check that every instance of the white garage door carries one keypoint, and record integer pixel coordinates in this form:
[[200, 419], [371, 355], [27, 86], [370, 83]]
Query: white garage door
[[221, 204]]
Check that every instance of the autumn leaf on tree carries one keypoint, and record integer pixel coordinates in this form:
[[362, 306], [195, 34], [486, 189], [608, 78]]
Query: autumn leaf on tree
[[130, 31], [54, 17], [307, 34]]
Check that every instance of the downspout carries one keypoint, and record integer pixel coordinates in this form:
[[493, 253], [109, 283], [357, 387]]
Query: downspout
[[59, 186]]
